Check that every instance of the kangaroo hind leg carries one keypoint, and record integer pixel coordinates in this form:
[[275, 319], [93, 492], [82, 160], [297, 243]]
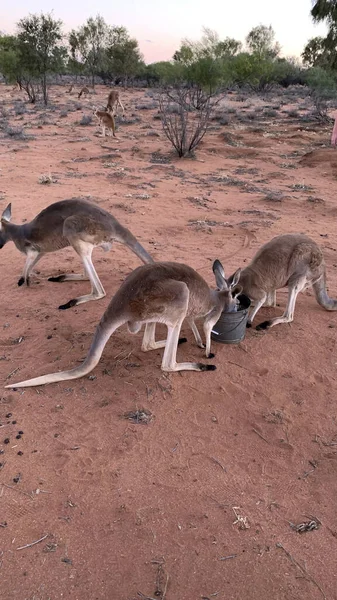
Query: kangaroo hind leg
[[149, 340], [294, 288], [173, 318], [84, 250]]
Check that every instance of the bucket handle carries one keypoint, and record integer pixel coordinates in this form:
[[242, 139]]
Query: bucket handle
[[230, 330]]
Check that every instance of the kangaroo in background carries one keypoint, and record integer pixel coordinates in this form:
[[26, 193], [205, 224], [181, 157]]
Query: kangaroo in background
[[293, 260], [165, 292], [84, 91], [114, 101], [77, 223]]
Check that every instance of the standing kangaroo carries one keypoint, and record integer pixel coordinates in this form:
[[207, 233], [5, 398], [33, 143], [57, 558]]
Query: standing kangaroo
[[107, 121], [75, 223], [166, 293], [293, 260], [114, 101]]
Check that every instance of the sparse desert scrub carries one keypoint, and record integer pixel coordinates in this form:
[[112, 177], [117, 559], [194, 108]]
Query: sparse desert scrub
[[86, 120], [186, 125], [47, 179]]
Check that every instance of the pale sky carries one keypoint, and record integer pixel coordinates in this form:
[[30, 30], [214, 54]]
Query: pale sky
[[159, 26]]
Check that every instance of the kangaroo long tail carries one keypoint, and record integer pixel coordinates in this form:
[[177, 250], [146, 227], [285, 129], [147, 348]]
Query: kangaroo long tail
[[101, 336], [321, 294]]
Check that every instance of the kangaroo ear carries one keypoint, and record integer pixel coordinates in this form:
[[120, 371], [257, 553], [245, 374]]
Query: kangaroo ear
[[237, 291], [219, 274], [234, 279], [7, 213]]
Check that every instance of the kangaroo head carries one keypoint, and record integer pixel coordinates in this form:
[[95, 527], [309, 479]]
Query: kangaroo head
[[5, 218], [228, 288]]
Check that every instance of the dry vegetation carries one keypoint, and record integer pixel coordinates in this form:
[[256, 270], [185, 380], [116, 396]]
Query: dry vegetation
[[131, 483]]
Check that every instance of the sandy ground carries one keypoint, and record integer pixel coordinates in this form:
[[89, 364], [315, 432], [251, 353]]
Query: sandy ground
[[134, 510]]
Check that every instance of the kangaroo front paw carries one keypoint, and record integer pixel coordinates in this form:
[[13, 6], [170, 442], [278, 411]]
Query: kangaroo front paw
[[182, 341], [211, 355], [248, 325], [21, 281]]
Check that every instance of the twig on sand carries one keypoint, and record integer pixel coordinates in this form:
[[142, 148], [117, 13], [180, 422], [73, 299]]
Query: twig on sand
[[260, 435], [218, 463], [238, 365], [11, 487], [33, 543], [302, 569]]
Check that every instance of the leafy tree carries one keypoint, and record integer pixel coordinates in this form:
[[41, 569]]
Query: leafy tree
[[314, 52], [185, 55], [40, 50], [205, 73], [207, 62], [164, 73], [326, 11], [75, 65], [9, 58], [210, 46], [88, 45], [260, 41], [124, 59]]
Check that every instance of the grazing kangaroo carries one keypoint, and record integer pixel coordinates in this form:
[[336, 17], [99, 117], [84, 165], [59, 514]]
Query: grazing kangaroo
[[113, 101], [75, 223], [292, 260], [84, 91], [106, 120], [166, 293]]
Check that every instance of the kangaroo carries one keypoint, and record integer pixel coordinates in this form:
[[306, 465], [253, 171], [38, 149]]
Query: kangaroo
[[113, 101], [165, 292], [106, 120], [75, 223], [84, 91], [292, 260]]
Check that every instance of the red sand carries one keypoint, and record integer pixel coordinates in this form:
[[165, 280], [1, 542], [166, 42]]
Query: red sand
[[127, 505]]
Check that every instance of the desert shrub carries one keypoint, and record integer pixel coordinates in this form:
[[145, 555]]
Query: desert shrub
[[147, 106], [19, 108], [270, 112], [323, 89], [187, 125], [86, 120], [47, 179], [14, 132]]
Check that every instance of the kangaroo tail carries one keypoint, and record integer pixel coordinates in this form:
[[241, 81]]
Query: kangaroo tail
[[141, 252], [102, 335], [321, 294]]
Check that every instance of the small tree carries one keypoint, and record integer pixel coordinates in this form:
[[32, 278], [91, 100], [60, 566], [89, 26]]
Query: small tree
[[89, 44], [124, 59], [9, 58], [40, 50], [183, 124], [260, 41]]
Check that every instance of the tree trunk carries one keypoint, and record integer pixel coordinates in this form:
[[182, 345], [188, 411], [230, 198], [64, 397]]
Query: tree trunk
[[44, 89]]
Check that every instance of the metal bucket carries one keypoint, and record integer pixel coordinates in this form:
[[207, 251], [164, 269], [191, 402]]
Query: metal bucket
[[231, 327]]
